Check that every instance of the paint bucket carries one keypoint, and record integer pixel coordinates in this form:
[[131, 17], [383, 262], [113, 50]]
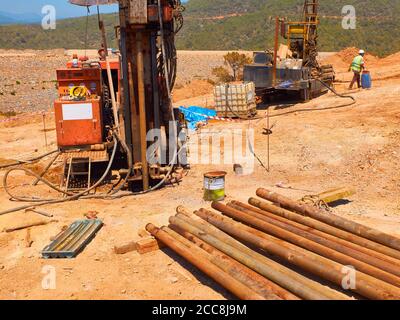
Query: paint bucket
[[214, 186]]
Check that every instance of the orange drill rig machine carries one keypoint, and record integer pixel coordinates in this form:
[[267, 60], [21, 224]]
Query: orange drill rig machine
[[124, 101]]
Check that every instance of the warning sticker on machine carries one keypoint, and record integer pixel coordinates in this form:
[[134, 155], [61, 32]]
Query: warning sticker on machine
[[77, 111]]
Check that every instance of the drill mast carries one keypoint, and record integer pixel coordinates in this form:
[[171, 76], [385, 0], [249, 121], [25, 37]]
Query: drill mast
[[302, 36]]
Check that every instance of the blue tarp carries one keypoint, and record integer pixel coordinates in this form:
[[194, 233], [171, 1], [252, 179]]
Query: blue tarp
[[286, 84], [195, 115]]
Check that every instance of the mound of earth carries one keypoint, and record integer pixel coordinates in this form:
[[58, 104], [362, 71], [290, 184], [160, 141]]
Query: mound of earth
[[348, 54]]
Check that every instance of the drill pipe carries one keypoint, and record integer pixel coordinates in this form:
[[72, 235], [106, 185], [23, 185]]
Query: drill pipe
[[313, 223], [288, 279], [202, 224], [269, 285], [142, 109], [236, 270], [211, 270], [389, 274], [333, 220], [215, 232], [249, 209], [304, 259], [308, 241]]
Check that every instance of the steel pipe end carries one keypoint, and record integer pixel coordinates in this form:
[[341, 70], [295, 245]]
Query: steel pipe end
[[152, 228]]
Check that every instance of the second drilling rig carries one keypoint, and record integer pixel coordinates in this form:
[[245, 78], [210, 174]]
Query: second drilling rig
[[298, 70]]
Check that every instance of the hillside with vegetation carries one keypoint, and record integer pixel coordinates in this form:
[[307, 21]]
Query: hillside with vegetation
[[232, 25], [249, 25]]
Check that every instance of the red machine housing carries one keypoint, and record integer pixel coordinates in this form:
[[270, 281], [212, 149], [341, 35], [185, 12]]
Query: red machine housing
[[78, 123]]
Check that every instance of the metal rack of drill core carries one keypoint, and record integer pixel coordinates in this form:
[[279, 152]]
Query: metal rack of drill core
[[73, 240]]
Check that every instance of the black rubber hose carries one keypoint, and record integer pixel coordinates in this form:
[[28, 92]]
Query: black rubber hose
[[55, 201], [130, 166], [19, 162], [320, 109]]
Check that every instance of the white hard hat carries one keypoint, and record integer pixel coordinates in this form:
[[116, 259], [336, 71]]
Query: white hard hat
[[361, 52]]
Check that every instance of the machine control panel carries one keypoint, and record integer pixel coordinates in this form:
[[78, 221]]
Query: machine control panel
[[73, 77]]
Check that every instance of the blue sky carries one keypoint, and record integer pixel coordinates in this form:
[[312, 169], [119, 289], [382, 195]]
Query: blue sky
[[64, 8]]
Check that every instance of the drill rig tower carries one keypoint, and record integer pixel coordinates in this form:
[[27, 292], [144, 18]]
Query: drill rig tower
[[141, 83]]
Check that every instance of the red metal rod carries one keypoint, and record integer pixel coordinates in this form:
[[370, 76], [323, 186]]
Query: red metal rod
[[225, 280], [251, 279], [331, 219], [321, 246], [308, 261], [311, 225]]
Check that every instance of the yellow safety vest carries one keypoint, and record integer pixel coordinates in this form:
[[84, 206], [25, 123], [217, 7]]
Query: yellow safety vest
[[356, 64]]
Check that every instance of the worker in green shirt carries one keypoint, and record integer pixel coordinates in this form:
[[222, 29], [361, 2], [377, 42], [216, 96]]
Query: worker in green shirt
[[357, 66]]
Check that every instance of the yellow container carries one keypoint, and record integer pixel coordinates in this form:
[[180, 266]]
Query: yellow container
[[214, 186]]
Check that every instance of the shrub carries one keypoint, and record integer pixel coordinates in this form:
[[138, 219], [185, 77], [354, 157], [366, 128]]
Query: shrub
[[236, 61], [8, 114], [222, 74]]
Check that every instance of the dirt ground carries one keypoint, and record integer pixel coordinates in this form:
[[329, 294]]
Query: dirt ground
[[356, 146]]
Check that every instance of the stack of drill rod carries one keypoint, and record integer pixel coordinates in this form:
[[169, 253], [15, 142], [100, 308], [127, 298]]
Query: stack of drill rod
[[281, 249]]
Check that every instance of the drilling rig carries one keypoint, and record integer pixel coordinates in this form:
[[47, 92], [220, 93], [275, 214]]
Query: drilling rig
[[118, 100], [299, 70]]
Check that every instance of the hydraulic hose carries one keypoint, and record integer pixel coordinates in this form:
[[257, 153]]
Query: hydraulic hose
[[320, 109], [130, 166], [334, 91], [41, 202], [19, 162]]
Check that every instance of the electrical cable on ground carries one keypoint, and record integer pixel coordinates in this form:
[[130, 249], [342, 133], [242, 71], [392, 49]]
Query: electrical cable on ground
[[52, 186]]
